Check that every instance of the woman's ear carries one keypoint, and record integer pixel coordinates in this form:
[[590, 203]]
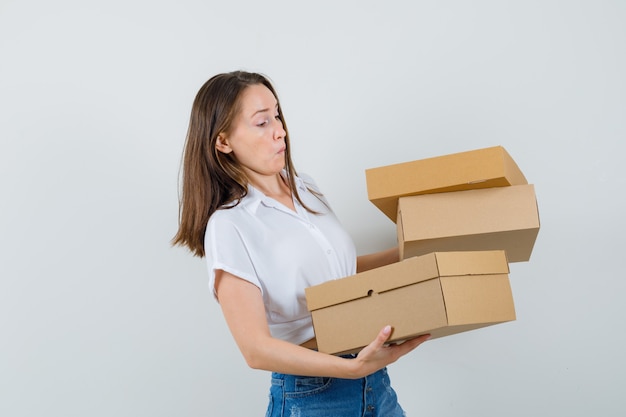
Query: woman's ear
[[221, 144]]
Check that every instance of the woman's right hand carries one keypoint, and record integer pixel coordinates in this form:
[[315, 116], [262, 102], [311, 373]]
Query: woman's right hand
[[377, 355]]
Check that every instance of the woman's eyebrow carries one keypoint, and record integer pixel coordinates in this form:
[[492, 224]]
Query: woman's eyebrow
[[264, 110]]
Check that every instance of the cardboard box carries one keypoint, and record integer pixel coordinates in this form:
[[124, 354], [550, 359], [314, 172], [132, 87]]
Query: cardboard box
[[493, 218], [438, 293], [481, 168]]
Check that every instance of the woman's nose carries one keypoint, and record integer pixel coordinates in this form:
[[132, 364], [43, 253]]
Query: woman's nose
[[279, 131]]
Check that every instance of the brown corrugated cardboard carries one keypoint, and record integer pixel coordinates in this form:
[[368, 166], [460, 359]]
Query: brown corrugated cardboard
[[438, 293], [492, 218], [481, 168]]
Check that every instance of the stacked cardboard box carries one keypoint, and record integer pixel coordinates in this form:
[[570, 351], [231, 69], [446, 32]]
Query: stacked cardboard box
[[460, 219], [440, 293], [474, 200]]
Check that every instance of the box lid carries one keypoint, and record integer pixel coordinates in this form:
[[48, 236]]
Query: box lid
[[480, 168], [406, 272]]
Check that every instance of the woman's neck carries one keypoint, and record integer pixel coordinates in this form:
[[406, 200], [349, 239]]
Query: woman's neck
[[274, 187]]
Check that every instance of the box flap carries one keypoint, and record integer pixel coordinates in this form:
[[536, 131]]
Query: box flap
[[479, 299]]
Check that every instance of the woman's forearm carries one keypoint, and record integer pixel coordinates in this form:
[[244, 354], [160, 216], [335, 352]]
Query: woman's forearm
[[279, 356], [378, 259]]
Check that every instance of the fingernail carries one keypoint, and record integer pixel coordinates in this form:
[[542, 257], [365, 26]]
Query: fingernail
[[387, 329]]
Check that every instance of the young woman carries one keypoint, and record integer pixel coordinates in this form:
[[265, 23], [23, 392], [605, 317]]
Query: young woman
[[267, 234]]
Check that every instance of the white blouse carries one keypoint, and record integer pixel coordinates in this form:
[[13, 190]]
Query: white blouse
[[282, 252]]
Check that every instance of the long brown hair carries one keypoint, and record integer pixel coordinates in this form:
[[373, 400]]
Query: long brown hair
[[212, 179]]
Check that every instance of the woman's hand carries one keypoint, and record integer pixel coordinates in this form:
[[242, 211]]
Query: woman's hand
[[376, 355]]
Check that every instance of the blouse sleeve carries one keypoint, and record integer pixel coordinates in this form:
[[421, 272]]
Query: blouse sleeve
[[226, 249]]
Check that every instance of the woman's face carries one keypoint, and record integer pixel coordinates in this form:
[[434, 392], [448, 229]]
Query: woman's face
[[257, 137]]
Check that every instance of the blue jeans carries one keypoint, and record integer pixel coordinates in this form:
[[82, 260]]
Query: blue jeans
[[302, 396]]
